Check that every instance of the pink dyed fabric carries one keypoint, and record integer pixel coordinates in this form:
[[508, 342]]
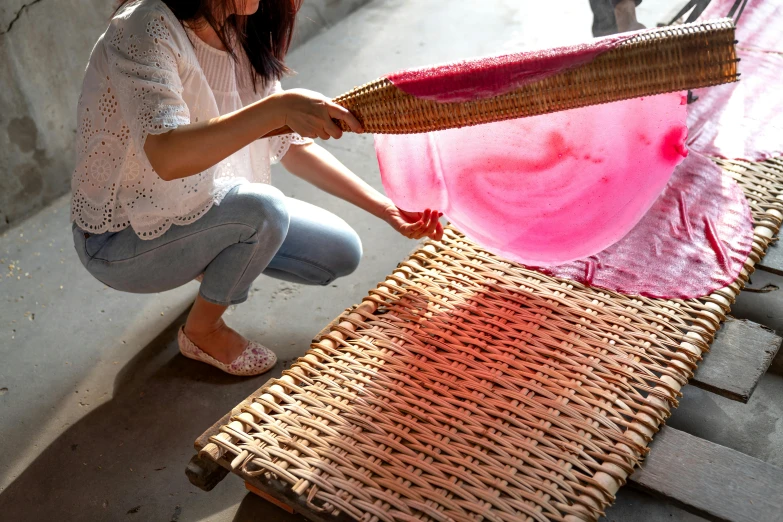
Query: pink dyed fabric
[[693, 241], [496, 75], [547, 189], [741, 119], [758, 27]]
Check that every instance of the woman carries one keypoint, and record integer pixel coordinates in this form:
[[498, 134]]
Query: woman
[[172, 182]]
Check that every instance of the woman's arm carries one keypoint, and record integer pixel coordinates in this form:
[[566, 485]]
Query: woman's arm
[[317, 166], [190, 149]]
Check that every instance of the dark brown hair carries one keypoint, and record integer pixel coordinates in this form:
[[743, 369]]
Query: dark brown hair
[[265, 35]]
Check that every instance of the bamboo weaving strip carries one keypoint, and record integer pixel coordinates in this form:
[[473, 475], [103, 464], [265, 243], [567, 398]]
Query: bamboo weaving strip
[[465, 388]]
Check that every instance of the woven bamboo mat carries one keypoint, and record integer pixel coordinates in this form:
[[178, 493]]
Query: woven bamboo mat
[[468, 388]]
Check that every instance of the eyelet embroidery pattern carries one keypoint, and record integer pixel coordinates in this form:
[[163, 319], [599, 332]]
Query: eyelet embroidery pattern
[[279, 145], [131, 170], [144, 78]]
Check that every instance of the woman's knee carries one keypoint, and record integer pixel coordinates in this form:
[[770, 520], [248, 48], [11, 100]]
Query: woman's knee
[[347, 257], [262, 207]]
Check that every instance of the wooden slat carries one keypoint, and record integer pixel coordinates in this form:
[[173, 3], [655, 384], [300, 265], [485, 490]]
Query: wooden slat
[[298, 503], [205, 474], [274, 491], [773, 260], [738, 358], [269, 498], [710, 480]]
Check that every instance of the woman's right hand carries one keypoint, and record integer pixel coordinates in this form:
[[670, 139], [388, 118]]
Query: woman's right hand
[[310, 114]]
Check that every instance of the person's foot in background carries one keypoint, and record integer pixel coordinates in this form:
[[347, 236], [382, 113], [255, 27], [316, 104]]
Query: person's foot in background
[[625, 14], [614, 16]]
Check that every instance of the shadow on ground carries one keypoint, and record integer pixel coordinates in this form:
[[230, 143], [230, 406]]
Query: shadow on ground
[[125, 460], [252, 505]]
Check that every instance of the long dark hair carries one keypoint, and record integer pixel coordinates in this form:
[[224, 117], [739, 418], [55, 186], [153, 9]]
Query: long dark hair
[[265, 36]]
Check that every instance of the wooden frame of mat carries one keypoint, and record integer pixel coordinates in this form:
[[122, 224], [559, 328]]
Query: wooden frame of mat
[[609, 369]]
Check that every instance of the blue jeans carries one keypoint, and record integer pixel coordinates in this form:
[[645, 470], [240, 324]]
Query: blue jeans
[[255, 230]]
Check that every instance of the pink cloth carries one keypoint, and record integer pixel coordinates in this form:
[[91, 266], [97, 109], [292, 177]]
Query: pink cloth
[[741, 120], [758, 27], [547, 189], [693, 241], [496, 75]]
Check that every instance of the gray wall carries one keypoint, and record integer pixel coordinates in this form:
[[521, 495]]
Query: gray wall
[[44, 47]]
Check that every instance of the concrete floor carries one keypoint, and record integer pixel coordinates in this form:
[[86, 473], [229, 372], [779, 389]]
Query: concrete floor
[[98, 411]]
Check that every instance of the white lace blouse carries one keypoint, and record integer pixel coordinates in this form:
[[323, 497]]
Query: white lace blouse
[[146, 77]]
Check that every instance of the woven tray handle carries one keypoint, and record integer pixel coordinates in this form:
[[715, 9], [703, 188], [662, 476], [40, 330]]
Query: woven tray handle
[[656, 61]]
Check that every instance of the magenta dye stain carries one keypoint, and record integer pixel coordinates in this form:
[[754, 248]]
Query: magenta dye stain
[[693, 241], [496, 75], [543, 190]]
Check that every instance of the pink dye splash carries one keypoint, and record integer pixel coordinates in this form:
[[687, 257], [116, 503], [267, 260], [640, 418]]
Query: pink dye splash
[[496, 75], [758, 27], [742, 119], [693, 241], [547, 189]]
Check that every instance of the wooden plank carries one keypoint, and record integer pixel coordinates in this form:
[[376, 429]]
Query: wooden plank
[[710, 480], [269, 489], [269, 498], [284, 495], [204, 473], [773, 260], [738, 358]]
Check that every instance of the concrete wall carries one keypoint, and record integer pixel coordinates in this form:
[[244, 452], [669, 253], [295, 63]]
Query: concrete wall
[[44, 47]]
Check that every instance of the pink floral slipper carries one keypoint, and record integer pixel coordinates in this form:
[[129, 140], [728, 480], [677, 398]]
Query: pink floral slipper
[[255, 360]]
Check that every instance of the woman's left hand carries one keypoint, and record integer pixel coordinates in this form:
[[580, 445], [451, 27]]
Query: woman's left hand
[[415, 225]]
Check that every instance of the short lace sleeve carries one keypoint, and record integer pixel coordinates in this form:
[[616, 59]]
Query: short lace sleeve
[[278, 145], [143, 65]]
